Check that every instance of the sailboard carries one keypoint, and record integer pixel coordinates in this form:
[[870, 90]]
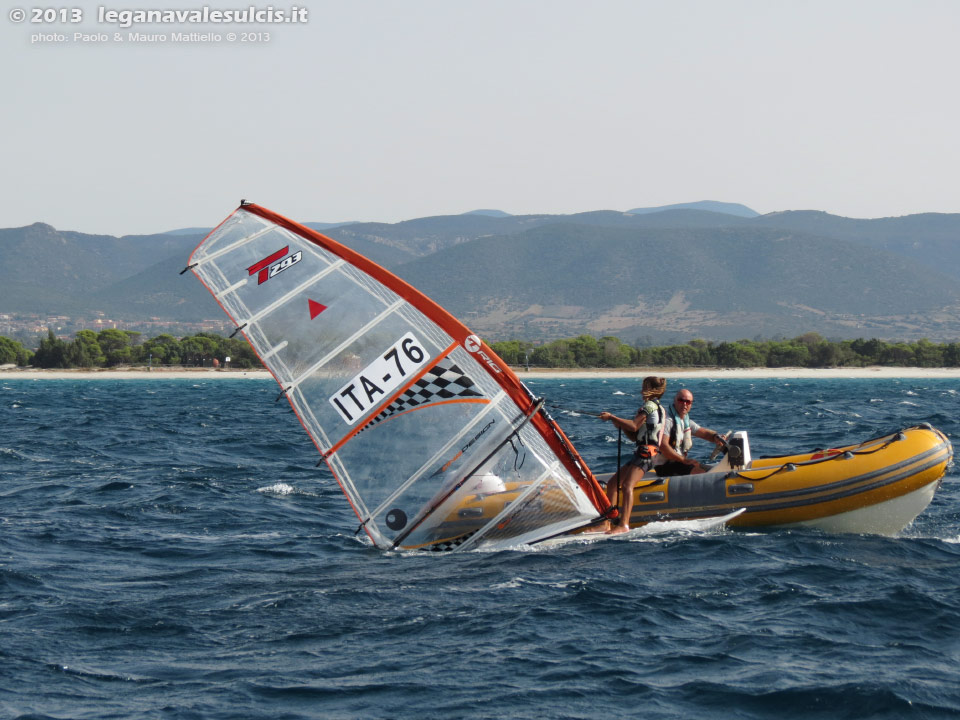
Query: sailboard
[[413, 414], [657, 527]]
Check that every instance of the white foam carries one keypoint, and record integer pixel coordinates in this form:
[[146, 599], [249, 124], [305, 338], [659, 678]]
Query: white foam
[[278, 489]]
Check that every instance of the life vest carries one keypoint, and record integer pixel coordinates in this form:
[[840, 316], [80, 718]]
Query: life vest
[[678, 432], [648, 439]]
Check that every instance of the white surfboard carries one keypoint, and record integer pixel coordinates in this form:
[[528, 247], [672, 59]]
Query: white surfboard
[[658, 527]]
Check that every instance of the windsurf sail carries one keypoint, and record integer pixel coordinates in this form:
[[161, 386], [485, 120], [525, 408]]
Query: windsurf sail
[[433, 439]]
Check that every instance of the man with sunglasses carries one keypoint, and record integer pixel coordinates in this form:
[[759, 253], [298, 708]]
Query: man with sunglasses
[[678, 433]]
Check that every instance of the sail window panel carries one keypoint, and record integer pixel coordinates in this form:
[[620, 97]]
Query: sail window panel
[[357, 502], [236, 229], [218, 282], [535, 443], [373, 366], [456, 432], [225, 256], [235, 286], [273, 351], [438, 463], [425, 327], [266, 351], [458, 518], [225, 248], [484, 466], [415, 425], [494, 488], [528, 532], [551, 504], [308, 419], [315, 321], [550, 500], [274, 264], [508, 509], [373, 286], [381, 458], [473, 443]]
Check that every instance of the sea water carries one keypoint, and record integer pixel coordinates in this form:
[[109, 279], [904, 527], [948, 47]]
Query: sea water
[[169, 550]]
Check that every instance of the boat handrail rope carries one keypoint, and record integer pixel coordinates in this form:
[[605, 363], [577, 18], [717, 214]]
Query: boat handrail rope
[[846, 455]]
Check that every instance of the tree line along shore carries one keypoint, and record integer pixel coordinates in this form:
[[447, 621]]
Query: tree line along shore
[[805, 351], [112, 348]]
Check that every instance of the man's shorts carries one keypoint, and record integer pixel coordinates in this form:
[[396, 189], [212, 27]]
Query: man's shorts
[[672, 468]]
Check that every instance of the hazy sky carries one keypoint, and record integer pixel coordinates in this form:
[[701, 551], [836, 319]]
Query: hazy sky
[[390, 110]]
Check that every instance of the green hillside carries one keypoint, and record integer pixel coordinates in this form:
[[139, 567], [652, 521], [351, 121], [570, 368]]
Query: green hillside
[[686, 281], [931, 239], [667, 275]]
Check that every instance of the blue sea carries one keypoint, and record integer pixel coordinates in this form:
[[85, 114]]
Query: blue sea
[[169, 550]]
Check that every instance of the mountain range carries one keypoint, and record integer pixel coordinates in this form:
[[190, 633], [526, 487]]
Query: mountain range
[[672, 273]]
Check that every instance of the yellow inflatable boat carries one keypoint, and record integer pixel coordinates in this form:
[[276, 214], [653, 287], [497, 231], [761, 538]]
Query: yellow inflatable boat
[[878, 486]]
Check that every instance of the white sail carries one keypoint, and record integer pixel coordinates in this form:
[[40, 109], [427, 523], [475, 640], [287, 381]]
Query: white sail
[[434, 441]]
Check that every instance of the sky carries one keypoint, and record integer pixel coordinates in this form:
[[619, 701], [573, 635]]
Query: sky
[[388, 110]]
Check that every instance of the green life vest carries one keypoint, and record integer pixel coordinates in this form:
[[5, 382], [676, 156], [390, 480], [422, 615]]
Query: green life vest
[[648, 439], [678, 432]]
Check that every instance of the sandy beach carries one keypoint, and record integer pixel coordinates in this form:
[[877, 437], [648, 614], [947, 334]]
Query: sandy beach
[[559, 374], [747, 373]]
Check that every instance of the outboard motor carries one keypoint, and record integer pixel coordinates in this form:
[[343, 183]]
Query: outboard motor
[[738, 450]]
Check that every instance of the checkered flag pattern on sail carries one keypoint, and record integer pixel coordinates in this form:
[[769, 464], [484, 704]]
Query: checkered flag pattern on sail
[[444, 381]]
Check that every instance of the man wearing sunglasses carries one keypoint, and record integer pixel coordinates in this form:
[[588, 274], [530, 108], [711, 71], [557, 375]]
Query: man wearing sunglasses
[[678, 433]]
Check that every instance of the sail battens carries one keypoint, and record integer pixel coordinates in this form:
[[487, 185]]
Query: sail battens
[[440, 455], [233, 246], [274, 350], [233, 288]]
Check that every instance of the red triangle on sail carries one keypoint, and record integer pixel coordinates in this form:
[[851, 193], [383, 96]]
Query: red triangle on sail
[[315, 308]]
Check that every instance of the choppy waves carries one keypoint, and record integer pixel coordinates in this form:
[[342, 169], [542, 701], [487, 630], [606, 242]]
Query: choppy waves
[[168, 549]]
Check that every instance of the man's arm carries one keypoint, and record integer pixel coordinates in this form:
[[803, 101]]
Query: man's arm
[[708, 434]]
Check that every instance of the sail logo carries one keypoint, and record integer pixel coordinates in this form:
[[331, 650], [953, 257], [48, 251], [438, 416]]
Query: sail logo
[[473, 344], [466, 447], [274, 264]]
